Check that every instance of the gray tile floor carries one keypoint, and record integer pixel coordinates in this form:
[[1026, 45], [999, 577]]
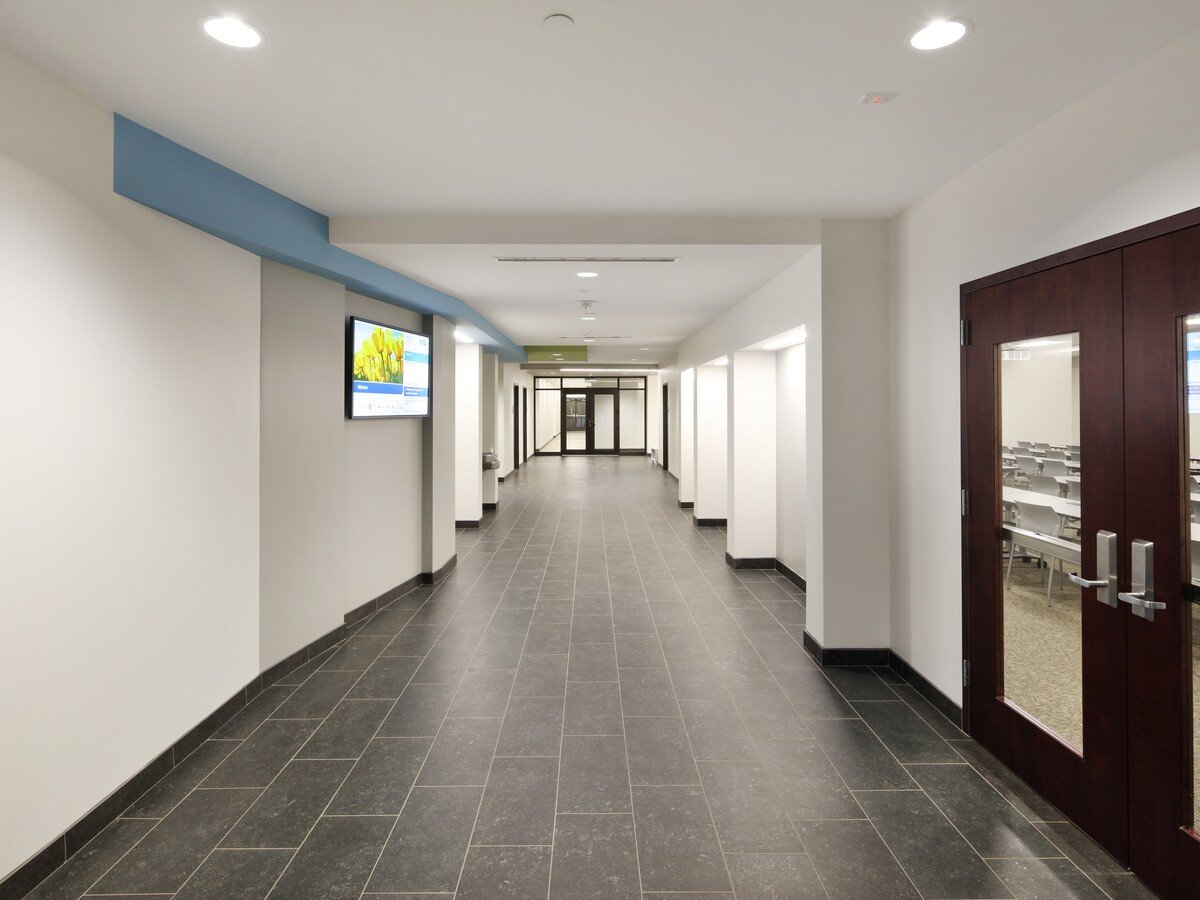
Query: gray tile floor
[[591, 705]]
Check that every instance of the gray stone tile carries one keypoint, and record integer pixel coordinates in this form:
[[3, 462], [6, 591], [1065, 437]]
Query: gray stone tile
[[336, 859], [379, 782], [386, 679], [1079, 848], [594, 856], [853, 861], [647, 692], [236, 875], [254, 713], [774, 876], [164, 858], [858, 683], [862, 761], [905, 733], [287, 810], [593, 708], [659, 751], [594, 776], [462, 752], [808, 784], [426, 850], [357, 653], [316, 698], [676, 841], [419, 711], [936, 857], [179, 782], [483, 693], [1046, 878], [533, 726], [262, 756], [592, 663], [767, 712], [96, 857], [746, 809], [347, 731], [716, 731], [505, 873], [518, 803], [541, 676]]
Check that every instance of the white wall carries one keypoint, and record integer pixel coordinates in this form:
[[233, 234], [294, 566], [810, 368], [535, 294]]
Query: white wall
[[712, 443], [493, 428], [751, 440], [1039, 398], [548, 419], [324, 552], [512, 375], [687, 436], [634, 419], [438, 545], [791, 453], [129, 469], [468, 477], [654, 415], [1127, 154]]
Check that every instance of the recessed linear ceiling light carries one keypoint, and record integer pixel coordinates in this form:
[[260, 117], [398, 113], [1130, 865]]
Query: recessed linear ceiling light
[[233, 32], [587, 259], [588, 274], [939, 34], [589, 340]]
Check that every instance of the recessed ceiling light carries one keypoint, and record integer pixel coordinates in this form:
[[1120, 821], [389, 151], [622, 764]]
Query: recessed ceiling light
[[589, 340], [939, 34], [588, 317], [633, 359], [233, 32], [587, 274]]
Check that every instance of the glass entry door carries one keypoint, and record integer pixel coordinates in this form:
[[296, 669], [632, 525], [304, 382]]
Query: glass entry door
[[1081, 460], [590, 421]]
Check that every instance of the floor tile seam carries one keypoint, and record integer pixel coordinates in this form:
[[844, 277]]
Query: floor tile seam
[[487, 777], [692, 751], [342, 783]]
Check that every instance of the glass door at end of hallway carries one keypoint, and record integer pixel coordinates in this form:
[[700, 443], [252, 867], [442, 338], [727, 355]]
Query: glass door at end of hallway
[[590, 421], [1081, 418]]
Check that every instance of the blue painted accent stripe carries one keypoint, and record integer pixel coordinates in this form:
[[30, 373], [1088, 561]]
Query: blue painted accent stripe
[[180, 183]]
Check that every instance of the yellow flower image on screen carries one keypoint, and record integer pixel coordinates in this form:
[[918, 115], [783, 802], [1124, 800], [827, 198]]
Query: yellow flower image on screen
[[381, 358]]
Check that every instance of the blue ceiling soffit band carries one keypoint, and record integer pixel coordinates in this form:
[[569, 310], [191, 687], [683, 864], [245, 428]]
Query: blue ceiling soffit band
[[172, 179]]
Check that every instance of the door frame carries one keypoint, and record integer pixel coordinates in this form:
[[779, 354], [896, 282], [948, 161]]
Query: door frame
[[590, 429], [516, 427], [666, 430], [1117, 242], [525, 424]]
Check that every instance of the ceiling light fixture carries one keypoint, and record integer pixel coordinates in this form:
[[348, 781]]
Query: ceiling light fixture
[[939, 34], [587, 274], [589, 340], [232, 31]]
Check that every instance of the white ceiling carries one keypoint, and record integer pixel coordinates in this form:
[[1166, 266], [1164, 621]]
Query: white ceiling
[[699, 107], [653, 305]]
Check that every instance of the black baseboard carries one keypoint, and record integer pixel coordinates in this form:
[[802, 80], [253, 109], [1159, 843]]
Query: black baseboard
[[797, 580], [373, 606], [925, 688], [42, 864], [750, 562], [492, 506], [500, 478], [845, 656], [885, 657], [705, 523], [686, 504], [435, 577], [467, 523]]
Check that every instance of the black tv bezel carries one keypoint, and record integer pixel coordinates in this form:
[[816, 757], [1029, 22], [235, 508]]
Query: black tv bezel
[[350, 320]]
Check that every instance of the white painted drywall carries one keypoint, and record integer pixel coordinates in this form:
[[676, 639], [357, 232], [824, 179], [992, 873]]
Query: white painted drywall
[[492, 428], [1039, 398], [468, 477], [686, 448], [548, 419], [437, 451], [512, 375], [791, 452], [1126, 154], [751, 440], [712, 448], [128, 471], [633, 420]]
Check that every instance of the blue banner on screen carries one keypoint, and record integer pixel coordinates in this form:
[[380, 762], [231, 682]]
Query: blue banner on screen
[[389, 371]]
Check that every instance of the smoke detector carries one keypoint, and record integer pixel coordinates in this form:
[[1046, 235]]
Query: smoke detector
[[589, 310]]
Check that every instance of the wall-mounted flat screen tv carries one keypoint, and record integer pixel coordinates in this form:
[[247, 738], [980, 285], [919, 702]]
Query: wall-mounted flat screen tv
[[387, 371]]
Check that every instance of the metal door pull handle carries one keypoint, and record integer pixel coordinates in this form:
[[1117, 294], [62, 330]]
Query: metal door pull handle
[[1141, 594], [1105, 583], [1139, 601], [1074, 578]]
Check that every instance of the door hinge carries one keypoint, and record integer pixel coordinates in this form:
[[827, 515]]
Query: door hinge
[[964, 333], [964, 502], [966, 673]]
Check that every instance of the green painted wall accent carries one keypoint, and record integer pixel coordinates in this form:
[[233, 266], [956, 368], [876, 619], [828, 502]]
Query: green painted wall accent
[[576, 353]]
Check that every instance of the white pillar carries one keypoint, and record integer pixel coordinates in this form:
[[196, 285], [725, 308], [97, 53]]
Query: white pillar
[[712, 454], [437, 451], [751, 442], [492, 430], [468, 484], [687, 438]]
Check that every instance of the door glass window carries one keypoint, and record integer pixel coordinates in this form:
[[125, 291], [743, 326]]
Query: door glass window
[[1191, 481], [575, 422], [1041, 475], [605, 429]]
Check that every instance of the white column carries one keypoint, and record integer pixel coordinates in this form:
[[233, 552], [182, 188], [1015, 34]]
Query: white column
[[751, 442], [438, 451], [712, 454], [468, 483], [492, 430], [686, 450]]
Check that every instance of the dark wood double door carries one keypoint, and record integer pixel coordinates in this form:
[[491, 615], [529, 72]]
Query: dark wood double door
[[1081, 419]]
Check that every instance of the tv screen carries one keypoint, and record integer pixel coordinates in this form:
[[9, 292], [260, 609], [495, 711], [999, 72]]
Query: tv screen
[[388, 371]]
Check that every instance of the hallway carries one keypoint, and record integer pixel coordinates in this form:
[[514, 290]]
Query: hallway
[[592, 704]]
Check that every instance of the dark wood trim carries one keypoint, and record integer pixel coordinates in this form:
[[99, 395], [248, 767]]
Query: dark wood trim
[[797, 580], [845, 656], [493, 507], [1186, 219], [500, 478], [925, 688], [666, 427], [686, 504], [434, 577], [516, 420], [750, 562], [709, 523], [373, 606], [467, 523]]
